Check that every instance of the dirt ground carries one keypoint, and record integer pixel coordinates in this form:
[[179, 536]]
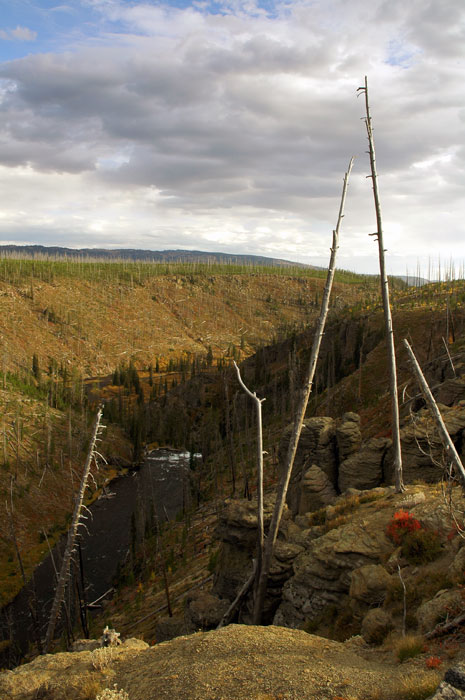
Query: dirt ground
[[235, 663]]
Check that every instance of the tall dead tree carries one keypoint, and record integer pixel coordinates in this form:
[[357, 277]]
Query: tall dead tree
[[305, 392], [258, 405], [72, 533], [395, 427]]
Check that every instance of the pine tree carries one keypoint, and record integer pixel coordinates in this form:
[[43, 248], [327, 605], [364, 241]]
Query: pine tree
[[36, 367]]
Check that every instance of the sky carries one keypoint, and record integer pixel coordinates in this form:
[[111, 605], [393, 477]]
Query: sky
[[227, 126]]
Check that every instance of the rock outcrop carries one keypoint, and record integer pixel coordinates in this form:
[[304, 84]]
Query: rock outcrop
[[237, 531], [444, 604], [364, 468], [317, 445], [322, 573], [422, 451], [376, 625], [332, 457], [317, 491], [348, 435]]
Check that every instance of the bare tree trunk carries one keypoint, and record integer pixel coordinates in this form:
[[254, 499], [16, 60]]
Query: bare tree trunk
[[72, 532], [299, 417], [231, 611], [258, 404], [386, 305], [429, 398]]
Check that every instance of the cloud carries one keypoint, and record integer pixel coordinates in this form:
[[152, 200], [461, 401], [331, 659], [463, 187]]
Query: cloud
[[18, 34], [240, 117]]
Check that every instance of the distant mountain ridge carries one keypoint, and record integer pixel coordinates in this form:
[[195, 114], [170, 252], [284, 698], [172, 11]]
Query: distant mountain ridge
[[134, 254], [413, 280]]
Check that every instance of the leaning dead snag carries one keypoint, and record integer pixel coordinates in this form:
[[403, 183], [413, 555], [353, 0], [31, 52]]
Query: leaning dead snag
[[443, 432], [299, 417], [386, 305], [72, 532]]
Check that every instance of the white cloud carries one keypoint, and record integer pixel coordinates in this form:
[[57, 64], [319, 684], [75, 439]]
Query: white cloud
[[18, 34], [183, 128]]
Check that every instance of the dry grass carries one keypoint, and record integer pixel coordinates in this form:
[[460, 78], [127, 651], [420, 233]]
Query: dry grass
[[90, 688], [102, 658], [416, 686], [419, 685], [408, 647]]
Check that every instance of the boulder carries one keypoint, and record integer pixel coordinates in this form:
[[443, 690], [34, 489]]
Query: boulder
[[439, 520], [456, 570], [364, 469], [168, 628], [456, 676], [204, 610], [376, 625], [317, 490], [445, 691], [446, 603], [348, 435], [369, 584]]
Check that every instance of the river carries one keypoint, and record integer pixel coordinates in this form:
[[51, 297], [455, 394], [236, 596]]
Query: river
[[159, 488]]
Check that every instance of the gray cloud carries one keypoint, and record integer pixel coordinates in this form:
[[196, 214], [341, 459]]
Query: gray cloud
[[249, 117]]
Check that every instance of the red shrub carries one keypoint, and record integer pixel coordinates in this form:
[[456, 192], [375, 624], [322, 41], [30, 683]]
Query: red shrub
[[401, 524], [433, 662]]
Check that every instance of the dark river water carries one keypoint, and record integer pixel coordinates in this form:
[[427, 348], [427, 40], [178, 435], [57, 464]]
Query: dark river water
[[158, 489]]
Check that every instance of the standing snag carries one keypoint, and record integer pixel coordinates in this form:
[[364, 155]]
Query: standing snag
[[386, 305], [258, 405]]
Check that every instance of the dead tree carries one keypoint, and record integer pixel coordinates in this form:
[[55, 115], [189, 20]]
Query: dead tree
[[258, 405], [386, 305], [305, 392], [443, 432], [72, 533]]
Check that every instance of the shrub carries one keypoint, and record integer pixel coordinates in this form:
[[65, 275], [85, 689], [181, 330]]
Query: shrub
[[401, 525], [421, 546], [101, 658], [408, 647], [433, 662]]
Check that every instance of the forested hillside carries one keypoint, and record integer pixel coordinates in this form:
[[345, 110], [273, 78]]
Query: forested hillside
[[156, 344], [67, 327]]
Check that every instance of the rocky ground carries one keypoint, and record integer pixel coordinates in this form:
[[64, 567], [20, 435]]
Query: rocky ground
[[235, 663]]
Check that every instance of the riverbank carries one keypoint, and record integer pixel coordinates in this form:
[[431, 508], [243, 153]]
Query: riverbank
[[115, 523]]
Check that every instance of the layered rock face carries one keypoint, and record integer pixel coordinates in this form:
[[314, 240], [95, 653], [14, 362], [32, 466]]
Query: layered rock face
[[331, 457], [323, 573], [422, 451], [327, 561], [237, 531]]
